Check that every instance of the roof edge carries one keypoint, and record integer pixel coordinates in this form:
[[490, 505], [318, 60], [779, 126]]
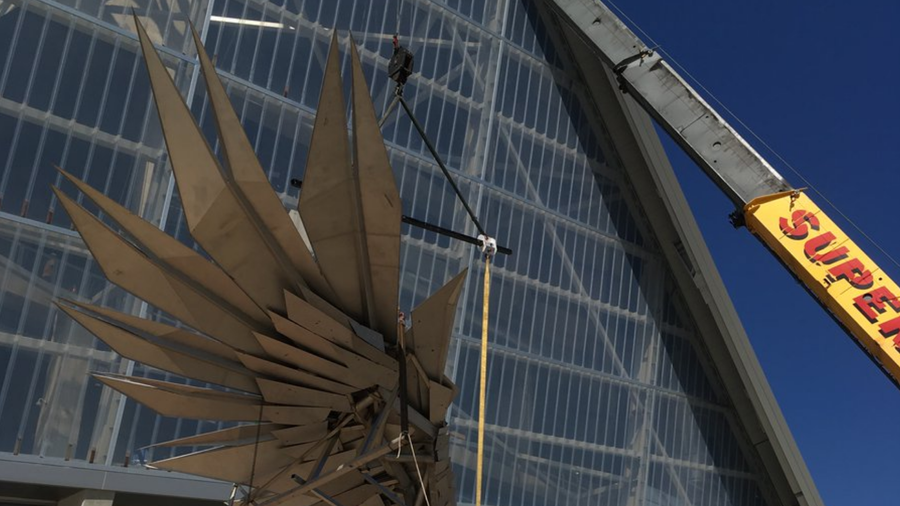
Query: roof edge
[[633, 136]]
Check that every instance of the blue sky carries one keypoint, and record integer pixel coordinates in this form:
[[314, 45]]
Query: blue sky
[[818, 81]]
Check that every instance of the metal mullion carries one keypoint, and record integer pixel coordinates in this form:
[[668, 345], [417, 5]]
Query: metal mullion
[[11, 155], [506, 306], [79, 95], [537, 132], [14, 352], [294, 144], [279, 126], [29, 188], [170, 23], [497, 455], [154, 432], [102, 109], [67, 46], [237, 41], [398, 159], [5, 71], [259, 132], [384, 30], [583, 332], [598, 252], [409, 134], [557, 336], [75, 429], [532, 442], [215, 49], [531, 336], [444, 99], [633, 249], [612, 381], [37, 57], [557, 399], [29, 398], [256, 54], [453, 130], [529, 88], [557, 101], [242, 117], [570, 419], [507, 178], [282, 31], [54, 95], [564, 203], [304, 87], [26, 304], [430, 94]]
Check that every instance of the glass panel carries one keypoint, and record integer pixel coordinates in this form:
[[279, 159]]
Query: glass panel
[[599, 391]]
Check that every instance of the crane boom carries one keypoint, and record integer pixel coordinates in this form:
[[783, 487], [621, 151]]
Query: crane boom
[[861, 297]]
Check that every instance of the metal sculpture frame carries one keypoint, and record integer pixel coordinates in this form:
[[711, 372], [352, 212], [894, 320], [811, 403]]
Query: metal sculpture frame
[[342, 404]]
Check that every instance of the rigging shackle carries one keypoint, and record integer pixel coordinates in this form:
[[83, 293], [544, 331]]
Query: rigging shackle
[[488, 245], [401, 65]]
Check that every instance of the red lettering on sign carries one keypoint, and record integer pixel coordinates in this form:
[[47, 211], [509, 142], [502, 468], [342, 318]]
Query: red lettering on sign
[[854, 272], [872, 304], [890, 327], [814, 246], [798, 228]]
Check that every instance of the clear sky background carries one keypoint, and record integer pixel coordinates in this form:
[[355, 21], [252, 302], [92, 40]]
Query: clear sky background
[[819, 81]]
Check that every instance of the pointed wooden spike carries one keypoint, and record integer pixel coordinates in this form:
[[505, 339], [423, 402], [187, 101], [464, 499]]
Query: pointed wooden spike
[[329, 200], [416, 384], [200, 182], [189, 264], [180, 401], [433, 323], [130, 269], [314, 364], [285, 483], [215, 217], [300, 451], [381, 207], [309, 341], [301, 434], [251, 183], [294, 375], [133, 347], [358, 495], [276, 392], [307, 316], [373, 501], [366, 369], [294, 415], [178, 338], [439, 401], [231, 463], [232, 436]]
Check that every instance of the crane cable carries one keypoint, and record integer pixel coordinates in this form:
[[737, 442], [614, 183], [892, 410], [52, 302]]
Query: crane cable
[[482, 393], [488, 247], [777, 155]]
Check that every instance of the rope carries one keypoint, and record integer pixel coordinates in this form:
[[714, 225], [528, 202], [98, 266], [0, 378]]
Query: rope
[[412, 450], [255, 451], [482, 394], [753, 134]]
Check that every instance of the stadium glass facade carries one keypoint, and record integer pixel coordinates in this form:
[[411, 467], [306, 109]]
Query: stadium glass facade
[[599, 392]]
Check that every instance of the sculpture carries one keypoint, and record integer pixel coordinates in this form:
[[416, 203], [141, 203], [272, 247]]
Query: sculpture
[[305, 339]]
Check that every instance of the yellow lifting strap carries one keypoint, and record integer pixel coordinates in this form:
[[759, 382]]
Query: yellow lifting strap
[[483, 388]]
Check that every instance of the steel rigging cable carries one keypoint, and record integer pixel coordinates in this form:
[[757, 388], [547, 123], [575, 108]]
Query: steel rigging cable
[[399, 70]]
